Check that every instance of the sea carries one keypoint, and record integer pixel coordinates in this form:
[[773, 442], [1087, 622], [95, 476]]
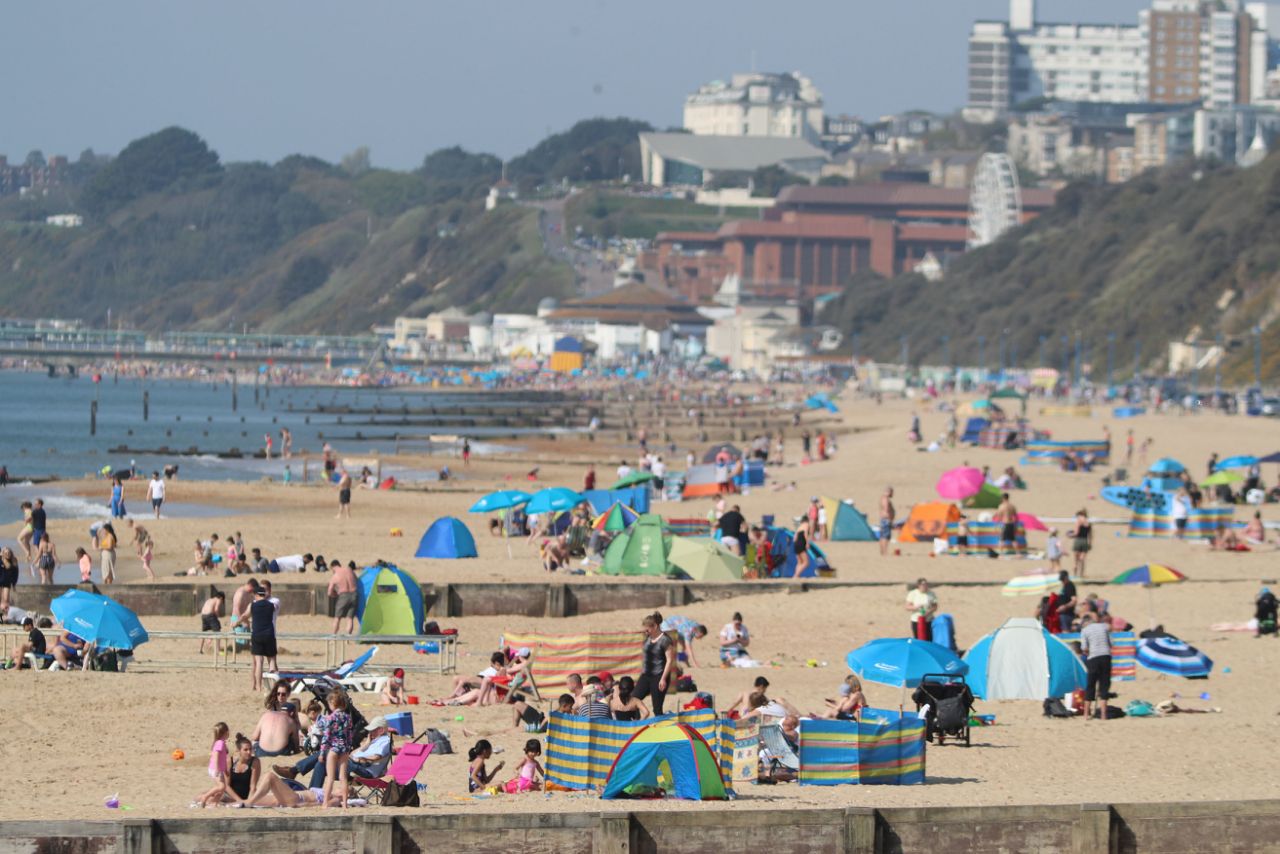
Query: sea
[[45, 432]]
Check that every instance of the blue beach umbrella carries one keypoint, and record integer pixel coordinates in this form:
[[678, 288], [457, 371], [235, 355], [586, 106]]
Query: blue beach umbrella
[[1241, 461], [1173, 657], [901, 662], [500, 500], [98, 620], [553, 499]]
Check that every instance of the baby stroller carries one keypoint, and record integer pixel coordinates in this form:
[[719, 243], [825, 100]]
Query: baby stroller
[[321, 689], [950, 702]]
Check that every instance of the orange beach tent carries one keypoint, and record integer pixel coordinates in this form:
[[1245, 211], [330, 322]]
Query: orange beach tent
[[928, 521]]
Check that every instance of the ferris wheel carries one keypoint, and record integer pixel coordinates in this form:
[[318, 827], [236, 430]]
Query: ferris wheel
[[995, 202]]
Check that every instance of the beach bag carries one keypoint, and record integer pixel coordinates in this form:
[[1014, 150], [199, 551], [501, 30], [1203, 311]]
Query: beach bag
[[439, 742], [397, 795], [1055, 708], [685, 685], [1139, 709]]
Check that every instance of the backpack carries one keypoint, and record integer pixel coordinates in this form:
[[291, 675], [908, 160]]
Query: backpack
[[439, 741], [1139, 709], [1055, 708], [397, 795]]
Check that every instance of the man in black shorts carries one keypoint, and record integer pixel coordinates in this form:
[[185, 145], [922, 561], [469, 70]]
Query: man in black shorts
[[1008, 514], [262, 638], [1095, 643]]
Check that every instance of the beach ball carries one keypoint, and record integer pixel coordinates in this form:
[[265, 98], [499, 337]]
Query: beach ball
[[178, 755]]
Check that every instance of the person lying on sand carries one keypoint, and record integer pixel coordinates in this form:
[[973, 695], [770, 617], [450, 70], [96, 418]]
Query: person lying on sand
[[273, 791]]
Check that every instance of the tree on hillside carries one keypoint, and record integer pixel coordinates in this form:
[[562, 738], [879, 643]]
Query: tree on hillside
[[35, 159], [357, 162], [591, 150], [767, 181], [455, 173], [149, 165]]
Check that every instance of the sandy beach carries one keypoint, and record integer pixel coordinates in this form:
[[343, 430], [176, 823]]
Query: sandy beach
[[94, 735]]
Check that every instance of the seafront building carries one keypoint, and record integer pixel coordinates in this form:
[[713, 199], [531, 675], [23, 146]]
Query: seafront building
[[757, 104]]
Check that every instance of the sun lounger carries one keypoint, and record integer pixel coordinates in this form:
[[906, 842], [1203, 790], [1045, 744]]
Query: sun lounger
[[403, 769], [347, 675]]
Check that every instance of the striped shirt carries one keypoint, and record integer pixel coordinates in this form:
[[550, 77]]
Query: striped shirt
[[594, 708], [1095, 640]]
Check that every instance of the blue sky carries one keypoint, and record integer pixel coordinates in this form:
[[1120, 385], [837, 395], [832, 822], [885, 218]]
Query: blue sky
[[260, 80]]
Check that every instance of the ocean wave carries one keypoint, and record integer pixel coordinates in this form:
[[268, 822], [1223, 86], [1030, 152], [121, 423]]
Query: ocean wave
[[74, 507]]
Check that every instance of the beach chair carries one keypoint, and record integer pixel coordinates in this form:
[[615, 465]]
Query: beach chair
[[404, 767], [347, 675], [38, 660], [775, 754], [576, 540], [523, 682], [950, 703]]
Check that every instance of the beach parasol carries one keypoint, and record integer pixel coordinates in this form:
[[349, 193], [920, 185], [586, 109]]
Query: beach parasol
[[617, 518], [960, 483], [503, 499], [1150, 574], [901, 662], [1270, 458], [1220, 478], [1240, 461], [1021, 660], [1031, 523], [1032, 584], [553, 499], [632, 479], [99, 620], [1167, 465], [1173, 657]]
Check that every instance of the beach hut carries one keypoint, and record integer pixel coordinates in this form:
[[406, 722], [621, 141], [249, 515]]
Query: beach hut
[[667, 755], [1021, 660], [642, 550], [566, 355], [390, 602], [447, 538], [846, 523], [928, 521]]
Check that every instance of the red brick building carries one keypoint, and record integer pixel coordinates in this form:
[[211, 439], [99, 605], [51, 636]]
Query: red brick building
[[815, 238]]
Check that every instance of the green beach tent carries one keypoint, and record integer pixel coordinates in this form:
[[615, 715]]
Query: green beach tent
[[987, 498], [642, 550]]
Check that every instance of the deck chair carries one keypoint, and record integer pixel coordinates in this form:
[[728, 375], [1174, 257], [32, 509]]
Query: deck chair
[[576, 539], [523, 682], [347, 675], [404, 767], [38, 660], [775, 754]]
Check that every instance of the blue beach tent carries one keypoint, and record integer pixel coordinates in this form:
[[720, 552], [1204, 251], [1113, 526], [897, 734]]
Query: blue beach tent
[[447, 538]]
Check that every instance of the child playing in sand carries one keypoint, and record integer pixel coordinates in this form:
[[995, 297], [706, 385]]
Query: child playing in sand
[[530, 769], [478, 778], [219, 766], [394, 693], [1053, 550], [210, 613]]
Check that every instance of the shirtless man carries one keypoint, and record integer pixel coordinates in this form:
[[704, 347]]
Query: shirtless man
[[1007, 514], [140, 536], [277, 731], [241, 600], [344, 495], [887, 513]]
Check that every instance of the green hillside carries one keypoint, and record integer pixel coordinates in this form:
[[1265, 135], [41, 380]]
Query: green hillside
[[1188, 252], [609, 213], [175, 239]]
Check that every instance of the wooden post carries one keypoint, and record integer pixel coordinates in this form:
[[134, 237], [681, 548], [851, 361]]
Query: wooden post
[[613, 835], [860, 830], [377, 835], [135, 836], [1093, 831]]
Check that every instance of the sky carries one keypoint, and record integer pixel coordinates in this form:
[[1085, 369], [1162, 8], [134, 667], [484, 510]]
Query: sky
[[262, 80]]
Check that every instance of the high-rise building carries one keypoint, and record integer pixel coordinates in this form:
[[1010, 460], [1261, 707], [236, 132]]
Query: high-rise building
[[1180, 51], [756, 104]]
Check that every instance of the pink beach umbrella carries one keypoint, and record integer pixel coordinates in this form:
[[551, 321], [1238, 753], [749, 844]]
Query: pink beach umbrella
[[960, 483], [1031, 523]]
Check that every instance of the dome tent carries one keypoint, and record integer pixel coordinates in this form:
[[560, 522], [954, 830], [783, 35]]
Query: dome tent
[[447, 538], [673, 750], [390, 602]]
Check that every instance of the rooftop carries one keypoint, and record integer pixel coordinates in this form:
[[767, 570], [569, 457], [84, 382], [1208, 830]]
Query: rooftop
[[892, 193], [731, 153]]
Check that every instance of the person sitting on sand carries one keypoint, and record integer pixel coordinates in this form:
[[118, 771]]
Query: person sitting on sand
[[622, 705], [760, 706], [478, 777], [468, 690], [526, 780], [527, 718], [1254, 532], [1225, 540], [851, 703], [219, 765], [743, 702], [554, 553], [277, 732], [394, 693]]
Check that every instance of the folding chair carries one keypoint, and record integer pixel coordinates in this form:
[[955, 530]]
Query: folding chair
[[523, 682], [403, 769], [776, 753]]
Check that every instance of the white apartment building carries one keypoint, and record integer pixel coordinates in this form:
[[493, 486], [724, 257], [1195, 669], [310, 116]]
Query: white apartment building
[[757, 104], [1180, 51]]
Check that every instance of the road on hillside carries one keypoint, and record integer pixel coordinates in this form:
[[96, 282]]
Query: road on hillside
[[591, 275]]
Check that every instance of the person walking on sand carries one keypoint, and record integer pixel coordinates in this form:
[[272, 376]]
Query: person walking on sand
[[887, 513], [923, 604], [155, 492], [262, 637], [1081, 541], [344, 495], [270, 443], [286, 443], [105, 541], [466, 452]]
